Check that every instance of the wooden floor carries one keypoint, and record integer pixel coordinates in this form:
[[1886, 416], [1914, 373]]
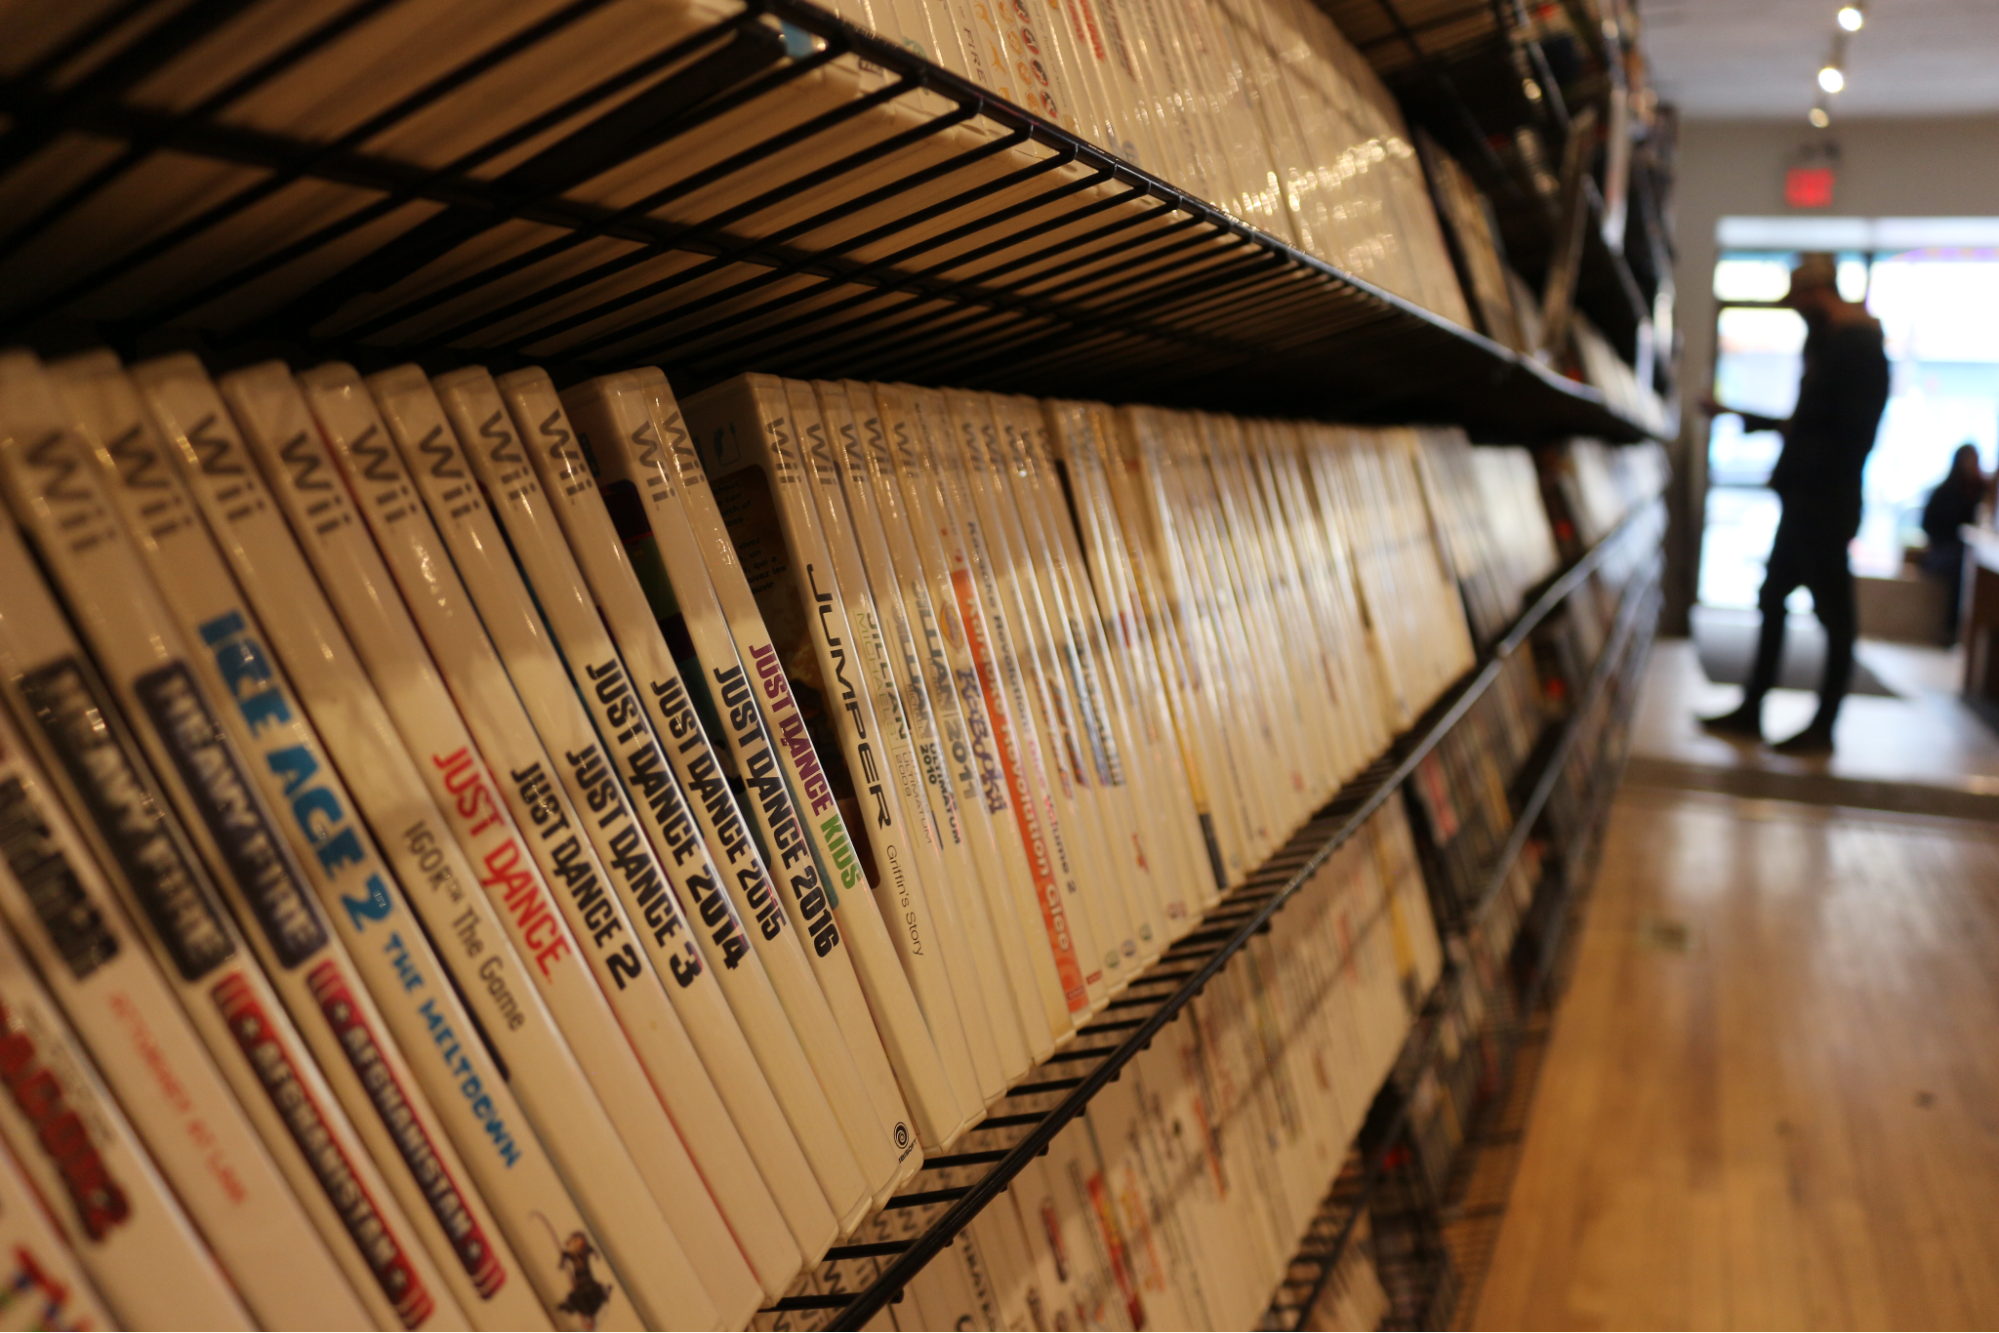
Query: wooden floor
[[1771, 1099]]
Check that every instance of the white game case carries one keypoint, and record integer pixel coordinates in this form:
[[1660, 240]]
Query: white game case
[[990, 771], [548, 1074], [61, 909], [790, 996], [329, 993], [612, 412], [43, 1284], [902, 791], [1012, 601], [755, 478], [954, 887], [435, 607], [499, 458], [646, 447], [895, 573], [111, 595], [677, 1020], [494, 1132], [932, 477], [70, 1139]]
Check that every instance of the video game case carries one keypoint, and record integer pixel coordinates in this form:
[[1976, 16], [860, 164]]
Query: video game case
[[453, 938], [499, 459], [987, 796], [932, 474], [1073, 457], [1139, 858], [855, 533], [46, 1287], [456, 690], [964, 758], [903, 788], [757, 482], [1062, 729], [520, 662], [793, 997], [907, 1085], [62, 910], [627, 425], [140, 653], [68, 1136], [356, 1015]]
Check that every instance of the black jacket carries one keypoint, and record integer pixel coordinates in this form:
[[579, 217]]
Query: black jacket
[[1827, 439]]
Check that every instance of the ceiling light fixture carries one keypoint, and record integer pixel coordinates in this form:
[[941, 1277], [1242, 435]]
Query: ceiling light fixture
[[1831, 79], [1819, 117], [1852, 17]]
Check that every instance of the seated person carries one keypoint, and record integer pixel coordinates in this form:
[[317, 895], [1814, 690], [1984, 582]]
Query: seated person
[[1952, 505]]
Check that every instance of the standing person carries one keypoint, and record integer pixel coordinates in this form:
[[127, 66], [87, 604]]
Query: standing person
[[1817, 479], [1952, 505]]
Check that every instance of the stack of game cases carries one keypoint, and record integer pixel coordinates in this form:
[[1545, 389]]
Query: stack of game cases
[[485, 855], [1260, 107]]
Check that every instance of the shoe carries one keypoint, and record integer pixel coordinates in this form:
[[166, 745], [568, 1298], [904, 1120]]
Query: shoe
[[1745, 723], [1813, 741]]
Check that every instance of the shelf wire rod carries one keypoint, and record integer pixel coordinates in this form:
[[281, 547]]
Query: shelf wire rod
[[1434, 69], [723, 322], [683, 101], [732, 249], [304, 159], [892, 283], [884, 283], [972, 291], [637, 209], [496, 201], [37, 124], [138, 149], [817, 257]]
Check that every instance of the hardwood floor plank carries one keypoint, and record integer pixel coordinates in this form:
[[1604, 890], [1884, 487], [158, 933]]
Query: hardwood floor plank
[[1771, 1096]]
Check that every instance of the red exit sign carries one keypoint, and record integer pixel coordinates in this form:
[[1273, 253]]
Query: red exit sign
[[1808, 187]]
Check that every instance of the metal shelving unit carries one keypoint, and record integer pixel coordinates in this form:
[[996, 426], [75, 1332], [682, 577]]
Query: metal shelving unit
[[1019, 259]]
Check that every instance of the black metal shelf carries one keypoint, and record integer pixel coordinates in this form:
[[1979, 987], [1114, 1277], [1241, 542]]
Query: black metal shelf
[[1020, 258], [1333, 1230], [1105, 1047]]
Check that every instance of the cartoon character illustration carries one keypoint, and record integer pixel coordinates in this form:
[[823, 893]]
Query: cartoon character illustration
[[587, 1295]]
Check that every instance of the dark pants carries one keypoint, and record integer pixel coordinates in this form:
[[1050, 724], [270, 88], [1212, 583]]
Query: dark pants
[[1945, 561], [1809, 552]]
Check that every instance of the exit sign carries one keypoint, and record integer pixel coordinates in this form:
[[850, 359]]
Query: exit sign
[[1808, 187]]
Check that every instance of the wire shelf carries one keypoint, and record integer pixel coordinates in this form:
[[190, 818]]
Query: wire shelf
[[766, 188]]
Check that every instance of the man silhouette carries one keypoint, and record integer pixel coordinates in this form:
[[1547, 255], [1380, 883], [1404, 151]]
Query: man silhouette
[[1817, 479]]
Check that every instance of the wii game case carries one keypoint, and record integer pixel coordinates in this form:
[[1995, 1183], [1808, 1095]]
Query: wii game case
[[42, 1286], [490, 735], [332, 857], [758, 486], [63, 912], [932, 475], [791, 997], [138, 649], [985, 799], [68, 1136], [1015, 603], [852, 528], [681, 1039], [638, 764], [505, 1155], [895, 574], [627, 424]]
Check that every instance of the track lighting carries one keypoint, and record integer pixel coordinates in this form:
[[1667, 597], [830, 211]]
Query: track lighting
[[1852, 17], [1819, 117], [1831, 79]]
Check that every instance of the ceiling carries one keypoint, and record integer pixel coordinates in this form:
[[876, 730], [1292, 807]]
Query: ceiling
[[1760, 58]]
